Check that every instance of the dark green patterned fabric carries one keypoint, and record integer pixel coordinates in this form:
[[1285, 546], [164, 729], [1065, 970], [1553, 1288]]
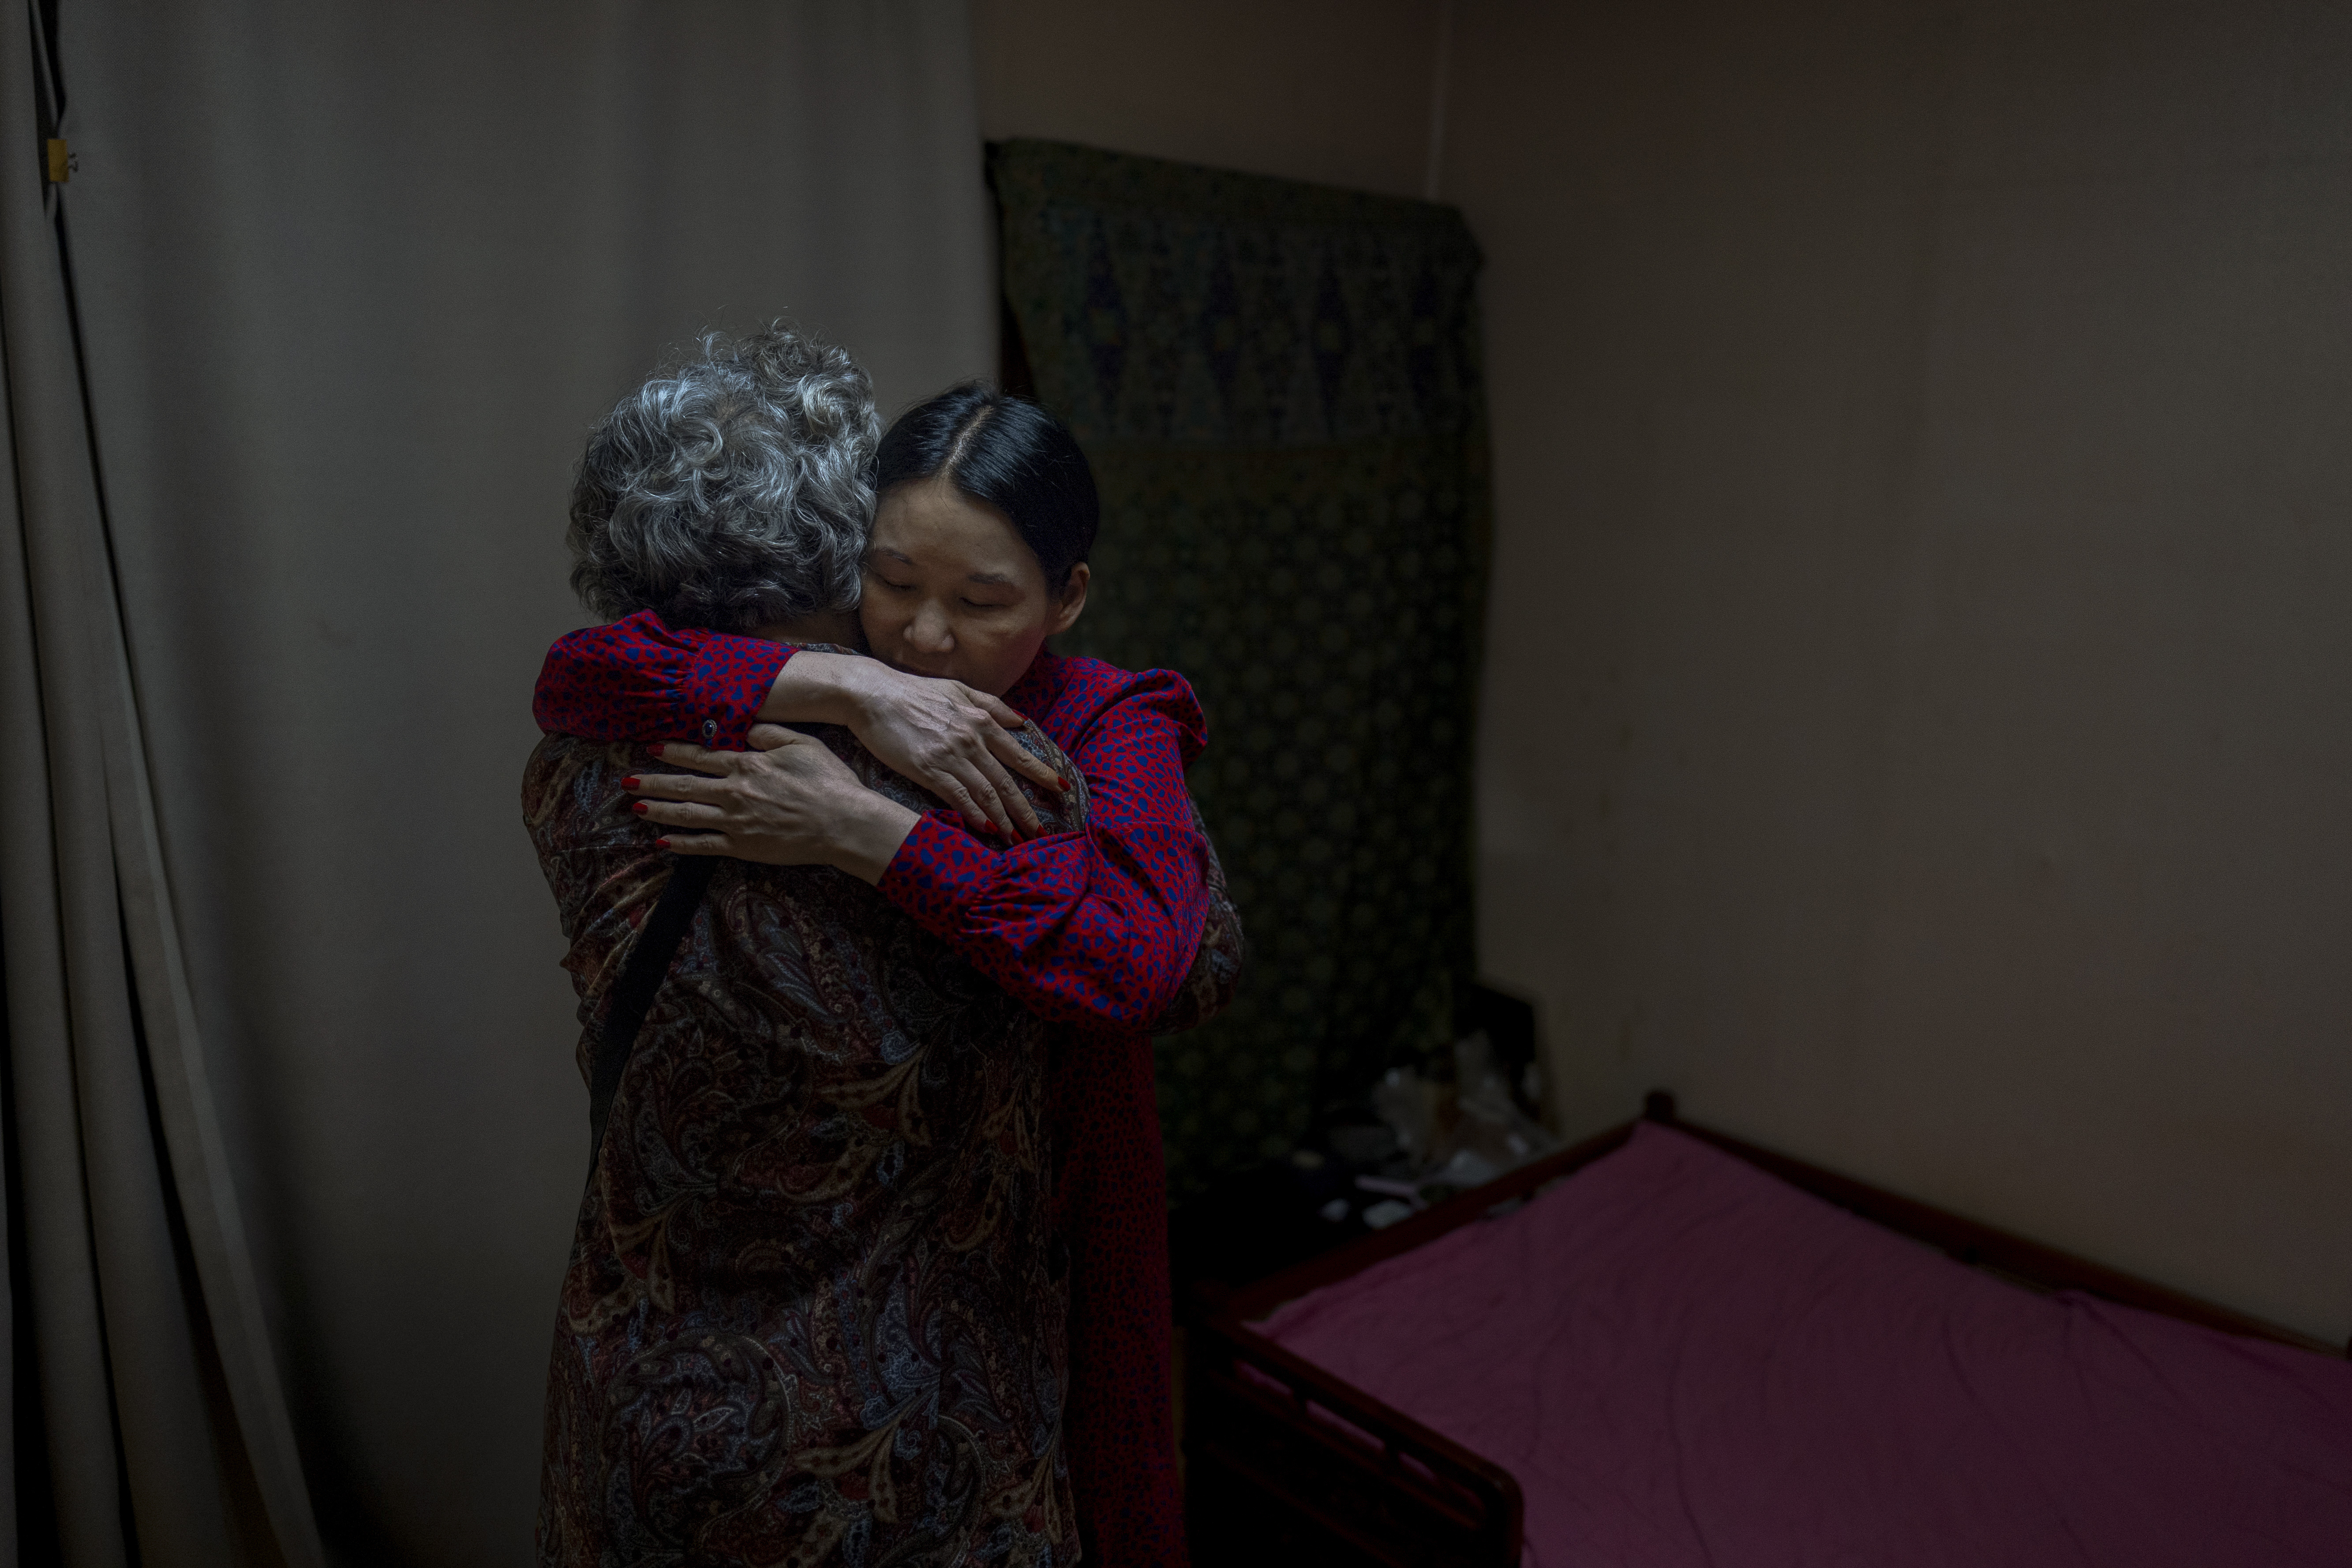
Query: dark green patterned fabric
[[1278, 387]]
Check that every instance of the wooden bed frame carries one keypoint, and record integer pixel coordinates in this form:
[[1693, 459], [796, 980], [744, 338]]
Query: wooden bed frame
[[1271, 1478]]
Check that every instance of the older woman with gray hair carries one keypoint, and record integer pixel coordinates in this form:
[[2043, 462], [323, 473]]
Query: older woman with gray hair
[[812, 1311]]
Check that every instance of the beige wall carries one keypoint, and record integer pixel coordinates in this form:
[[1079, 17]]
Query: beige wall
[[1332, 90], [1920, 709], [1917, 716]]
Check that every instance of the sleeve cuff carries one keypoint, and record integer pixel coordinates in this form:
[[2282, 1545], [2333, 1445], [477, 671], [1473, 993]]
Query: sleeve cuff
[[937, 873], [721, 688]]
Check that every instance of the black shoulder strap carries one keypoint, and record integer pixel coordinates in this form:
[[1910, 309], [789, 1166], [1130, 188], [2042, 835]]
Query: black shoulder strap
[[632, 994]]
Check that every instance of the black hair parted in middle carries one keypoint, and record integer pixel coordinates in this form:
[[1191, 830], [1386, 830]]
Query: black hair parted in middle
[[1007, 453]]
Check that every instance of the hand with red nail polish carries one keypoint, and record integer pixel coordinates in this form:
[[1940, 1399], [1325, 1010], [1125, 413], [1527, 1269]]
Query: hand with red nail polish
[[957, 741]]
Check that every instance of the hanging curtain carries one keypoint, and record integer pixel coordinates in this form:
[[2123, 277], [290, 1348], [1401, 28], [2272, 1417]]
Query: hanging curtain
[[1278, 387], [351, 283], [161, 1424]]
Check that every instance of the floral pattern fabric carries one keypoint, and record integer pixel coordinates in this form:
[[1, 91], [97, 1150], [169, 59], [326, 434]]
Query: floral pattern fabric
[[1278, 387]]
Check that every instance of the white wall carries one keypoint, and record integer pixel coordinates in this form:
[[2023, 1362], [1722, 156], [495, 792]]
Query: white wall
[[1916, 709]]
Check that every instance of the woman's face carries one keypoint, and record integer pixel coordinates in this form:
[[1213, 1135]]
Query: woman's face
[[951, 590]]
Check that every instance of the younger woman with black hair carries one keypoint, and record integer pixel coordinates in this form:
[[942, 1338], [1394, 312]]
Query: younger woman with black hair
[[986, 511]]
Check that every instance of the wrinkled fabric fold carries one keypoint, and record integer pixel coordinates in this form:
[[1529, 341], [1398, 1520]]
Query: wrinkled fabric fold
[[353, 283], [157, 1381]]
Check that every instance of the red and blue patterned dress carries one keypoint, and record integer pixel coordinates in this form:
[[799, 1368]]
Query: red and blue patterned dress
[[1095, 932]]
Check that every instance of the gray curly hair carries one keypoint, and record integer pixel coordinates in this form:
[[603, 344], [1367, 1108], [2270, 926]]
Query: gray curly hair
[[732, 490]]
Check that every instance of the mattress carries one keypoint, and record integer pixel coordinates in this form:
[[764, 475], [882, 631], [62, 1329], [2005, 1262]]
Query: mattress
[[1685, 1361]]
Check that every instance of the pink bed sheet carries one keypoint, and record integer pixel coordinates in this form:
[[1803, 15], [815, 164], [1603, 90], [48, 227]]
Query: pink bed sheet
[[1687, 1362]]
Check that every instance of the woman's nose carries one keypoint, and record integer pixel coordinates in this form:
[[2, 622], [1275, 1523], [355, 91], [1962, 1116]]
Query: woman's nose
[[930, 632]]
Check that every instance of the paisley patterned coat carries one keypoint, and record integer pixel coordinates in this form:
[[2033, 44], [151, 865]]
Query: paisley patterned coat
[[1092, 932], [810, 1314]]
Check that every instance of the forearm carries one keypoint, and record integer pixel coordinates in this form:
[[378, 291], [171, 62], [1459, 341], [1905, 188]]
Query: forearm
[[1099, 927], [1075, 931], [636, 679], [951, 740], [865, 838], [815, 687]]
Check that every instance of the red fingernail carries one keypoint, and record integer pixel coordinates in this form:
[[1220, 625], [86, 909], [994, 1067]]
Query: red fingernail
[[629, 784], [661, 842], [637, 806], [989, 826], [655, 749], [1065, 778]]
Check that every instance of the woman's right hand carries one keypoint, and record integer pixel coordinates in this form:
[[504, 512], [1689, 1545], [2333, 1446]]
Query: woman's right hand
[[957, 743]]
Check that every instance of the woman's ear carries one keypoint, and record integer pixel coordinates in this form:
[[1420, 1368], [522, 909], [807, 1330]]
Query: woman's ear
[[1073, 599]]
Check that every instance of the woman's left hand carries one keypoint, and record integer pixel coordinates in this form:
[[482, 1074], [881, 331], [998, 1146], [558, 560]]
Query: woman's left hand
[[789, 802]]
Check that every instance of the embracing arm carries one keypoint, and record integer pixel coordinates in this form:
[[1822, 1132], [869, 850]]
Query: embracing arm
[[1106, 926], [640, 679], [1100, 927]]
